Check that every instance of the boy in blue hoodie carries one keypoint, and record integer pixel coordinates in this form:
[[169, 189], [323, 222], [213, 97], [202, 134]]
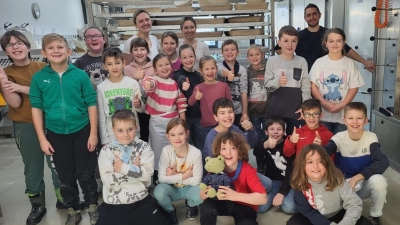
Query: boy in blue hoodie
[[64, 96]]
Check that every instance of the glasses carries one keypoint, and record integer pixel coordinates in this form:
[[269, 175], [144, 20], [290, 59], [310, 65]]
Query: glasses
[[313, 115], [17, 44], [95, 37]]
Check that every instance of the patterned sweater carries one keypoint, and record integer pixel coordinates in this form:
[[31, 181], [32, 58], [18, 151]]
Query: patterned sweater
[[165, 99], [131, 183]]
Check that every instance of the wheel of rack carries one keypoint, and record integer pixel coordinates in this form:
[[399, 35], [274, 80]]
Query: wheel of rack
[[166, 16]]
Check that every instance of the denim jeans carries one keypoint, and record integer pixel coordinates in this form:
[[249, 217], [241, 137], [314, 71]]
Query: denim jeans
[[376, 187], [196, 132], [287, 206], [334, 127], [167, 193], [267, 183], [259, 125]]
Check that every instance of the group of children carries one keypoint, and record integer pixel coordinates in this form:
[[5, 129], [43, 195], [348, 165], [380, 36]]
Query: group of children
[[220, 109]]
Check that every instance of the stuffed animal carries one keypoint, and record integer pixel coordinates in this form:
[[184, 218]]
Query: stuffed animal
[[216, 176]]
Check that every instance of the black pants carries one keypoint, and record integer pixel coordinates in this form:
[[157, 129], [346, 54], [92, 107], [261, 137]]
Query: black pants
[[210, 209], [299, 219], [144, 119], [291, 123], [73, 162], [144, 212], [236, 122]]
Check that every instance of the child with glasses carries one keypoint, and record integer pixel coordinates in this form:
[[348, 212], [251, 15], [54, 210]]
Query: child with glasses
[[91, 62], [312, 132]]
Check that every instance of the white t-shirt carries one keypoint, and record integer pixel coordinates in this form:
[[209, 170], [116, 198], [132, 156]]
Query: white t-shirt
[[155, 45], [201, 50], [334, 78]]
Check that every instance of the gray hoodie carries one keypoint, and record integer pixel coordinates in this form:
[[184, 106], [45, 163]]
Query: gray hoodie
[[318, 204]]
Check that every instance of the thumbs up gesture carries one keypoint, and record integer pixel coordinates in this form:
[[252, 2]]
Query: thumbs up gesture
[[147, 85], [136, 101], [270, 143], [231, 75], [295, 137], [199, 95], [317, 139], [283, 79], [139, 74], [246, 124], [186, 84]]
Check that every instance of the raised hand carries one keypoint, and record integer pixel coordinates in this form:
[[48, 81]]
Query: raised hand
[[283, 79], [231, 75], [140, 74], [270, 143], [317, 139], [246, 124], [136, 101], [295, 137], [186, 84], [199, 95], [147, 85]]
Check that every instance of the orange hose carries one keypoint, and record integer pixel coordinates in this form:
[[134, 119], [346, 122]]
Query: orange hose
[[377, 22]]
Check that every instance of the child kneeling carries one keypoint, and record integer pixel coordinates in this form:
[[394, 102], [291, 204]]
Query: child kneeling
[[126, 166], [180, 172], [241, 202]]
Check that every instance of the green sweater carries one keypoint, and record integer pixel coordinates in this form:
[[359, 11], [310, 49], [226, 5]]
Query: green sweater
[[64, 100]]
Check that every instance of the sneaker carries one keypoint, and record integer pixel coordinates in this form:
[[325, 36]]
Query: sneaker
[[36, 215], [192, 212], [61, 205], [375, 220], [261, 167], [172, 217], [74, 217], [93, 213]]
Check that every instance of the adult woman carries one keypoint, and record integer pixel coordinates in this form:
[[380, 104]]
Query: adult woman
[[188, 28], [142, 21]]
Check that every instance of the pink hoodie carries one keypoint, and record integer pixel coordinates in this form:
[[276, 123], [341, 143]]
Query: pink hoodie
[[131, 69]]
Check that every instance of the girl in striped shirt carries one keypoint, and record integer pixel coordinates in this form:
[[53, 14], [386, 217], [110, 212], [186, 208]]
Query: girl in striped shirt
[[164, 102]]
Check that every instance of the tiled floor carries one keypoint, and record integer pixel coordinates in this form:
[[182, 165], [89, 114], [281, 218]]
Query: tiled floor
[[16, 207]]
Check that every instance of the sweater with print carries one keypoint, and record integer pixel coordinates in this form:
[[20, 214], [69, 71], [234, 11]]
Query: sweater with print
[[22, 75], [334, 79], [210, 94], [164, 98], [113, 96], [286, 100], [306, 137], [63, 99], [278, 166], [93, 66], [131, 183], [168, 158], [358, 157], [318, 204], [238, 86], [258, 95]]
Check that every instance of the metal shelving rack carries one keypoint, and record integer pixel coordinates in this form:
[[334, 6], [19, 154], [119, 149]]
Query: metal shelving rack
[[104, 16]]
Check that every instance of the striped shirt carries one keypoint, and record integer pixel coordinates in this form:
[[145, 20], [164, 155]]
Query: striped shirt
[[164, 99]]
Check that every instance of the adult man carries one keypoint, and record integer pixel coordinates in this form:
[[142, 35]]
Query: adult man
[[309, 46]]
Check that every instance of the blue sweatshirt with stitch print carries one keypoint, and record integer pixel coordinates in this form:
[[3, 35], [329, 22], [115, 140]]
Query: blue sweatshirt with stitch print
[[63, 99]]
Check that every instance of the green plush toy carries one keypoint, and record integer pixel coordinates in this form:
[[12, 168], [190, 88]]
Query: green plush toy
[[216, 176]]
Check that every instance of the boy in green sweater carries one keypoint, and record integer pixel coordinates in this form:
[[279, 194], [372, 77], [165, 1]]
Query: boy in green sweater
[[64, 96]]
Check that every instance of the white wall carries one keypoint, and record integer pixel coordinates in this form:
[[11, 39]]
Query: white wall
[[59, 16]]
